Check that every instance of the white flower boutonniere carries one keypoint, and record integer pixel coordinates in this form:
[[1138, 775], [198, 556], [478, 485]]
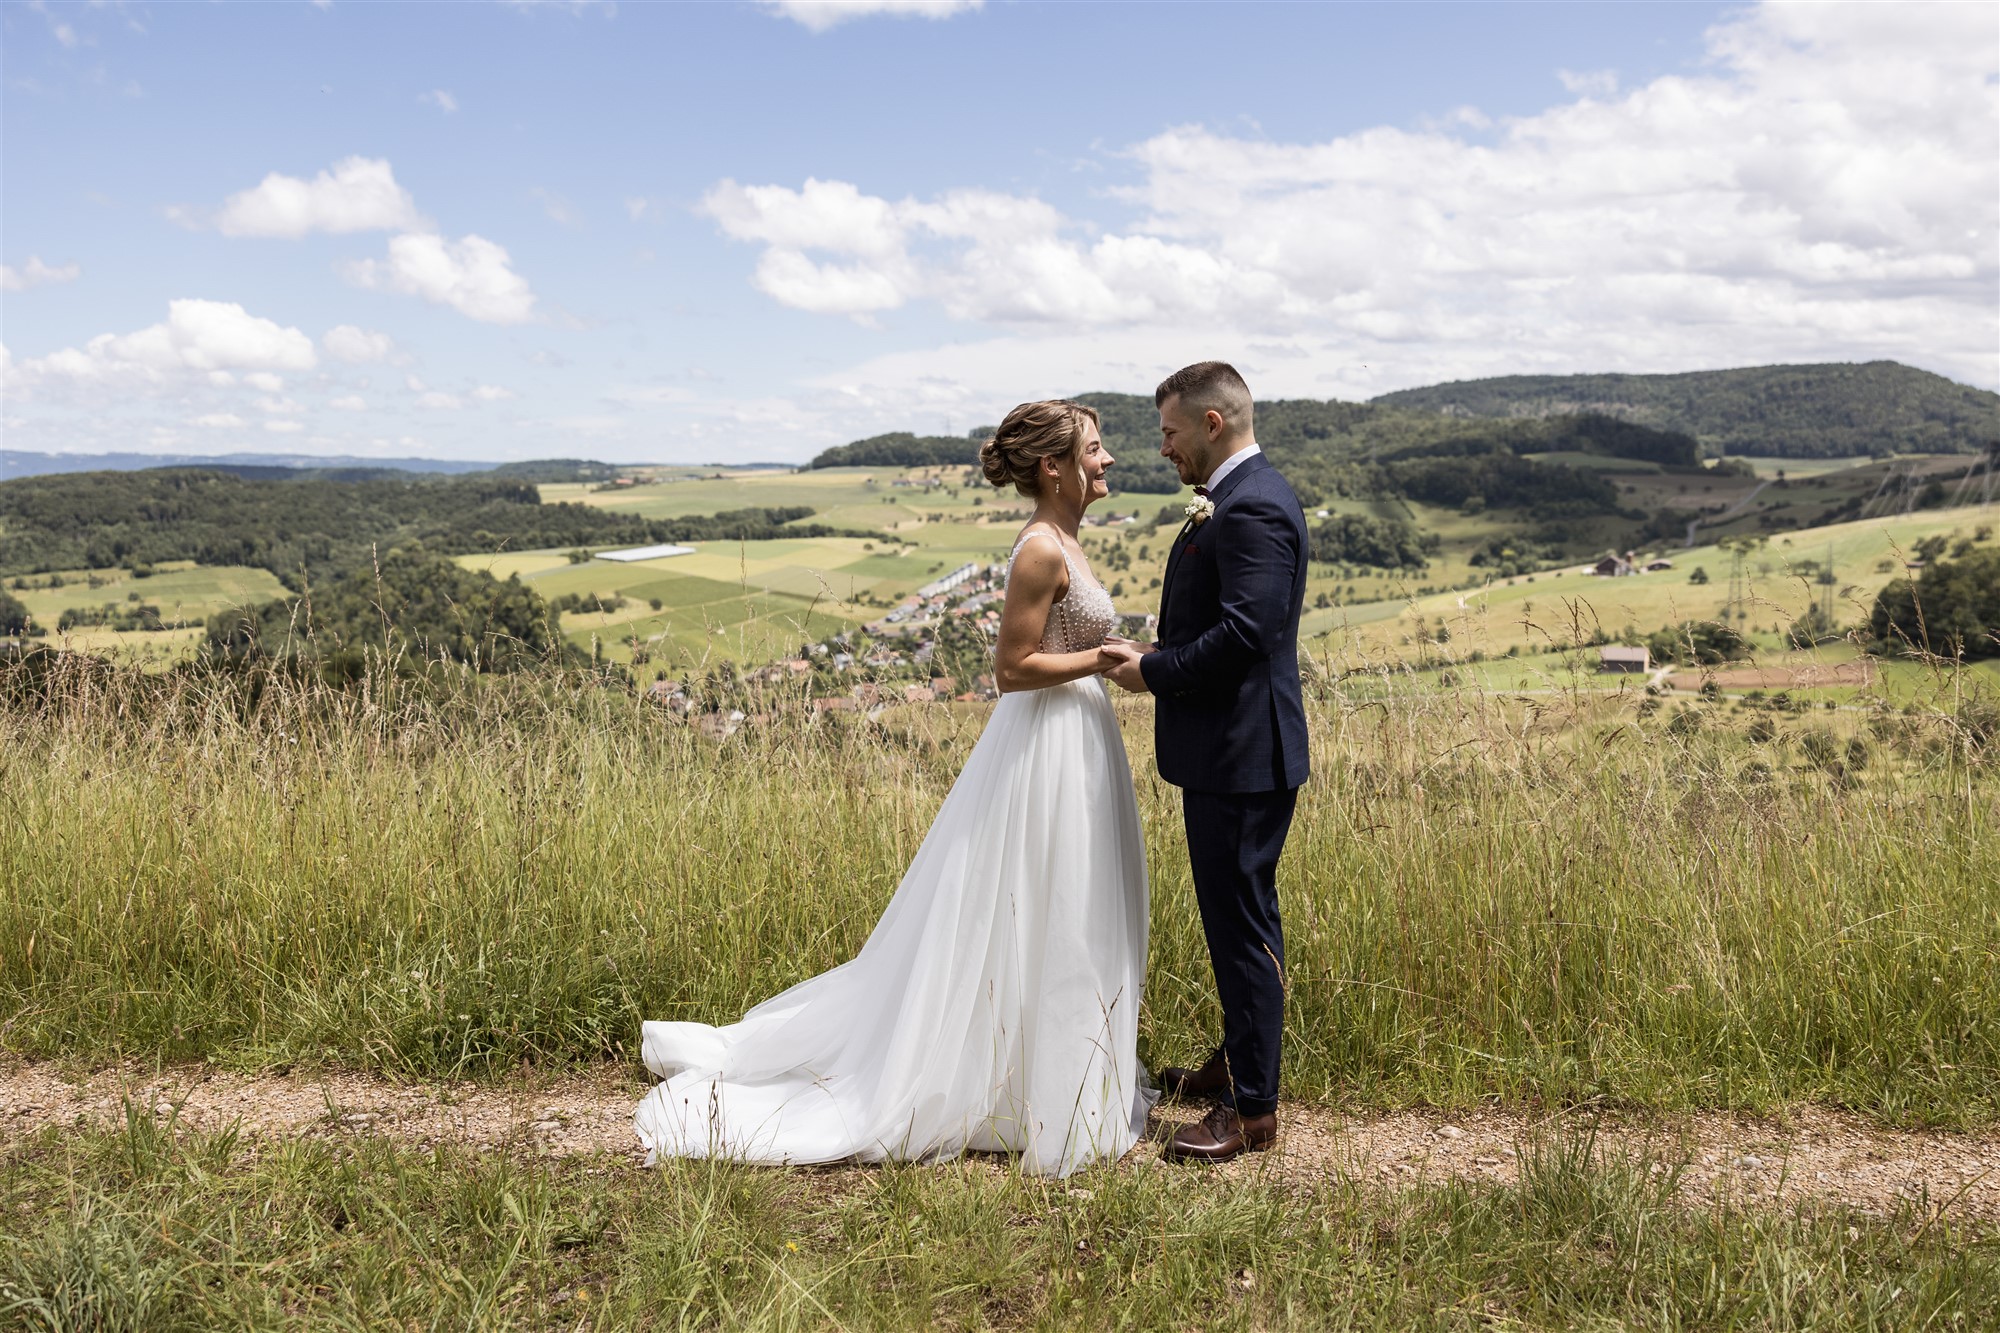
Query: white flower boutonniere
[[1199, 509]]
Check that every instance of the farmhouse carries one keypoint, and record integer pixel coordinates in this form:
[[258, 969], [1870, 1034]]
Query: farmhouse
[[1617, 657], [1614, 566]]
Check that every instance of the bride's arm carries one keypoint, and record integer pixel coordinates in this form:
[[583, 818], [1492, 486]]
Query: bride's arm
[[1019, 664]]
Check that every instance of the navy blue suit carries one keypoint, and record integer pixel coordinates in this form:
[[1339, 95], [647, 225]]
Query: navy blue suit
[[1229, 729]]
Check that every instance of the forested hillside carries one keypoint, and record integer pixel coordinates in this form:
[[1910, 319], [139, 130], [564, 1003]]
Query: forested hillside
[[1812, 411], [317, 527], [902, 449], [415, 607], [1334, 449]]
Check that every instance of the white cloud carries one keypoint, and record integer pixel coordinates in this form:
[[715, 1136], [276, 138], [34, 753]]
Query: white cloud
[[556, 207], [440, 401], [352, 402], [471, 275], [819, 15], [493, 393], [357, 194], [1589, 83], [440, 99], [218, 421], [1827, 188], [205, 338], [283, 427], [357, 346], [35, 273], [635, 207], [265, 380], [413, 384]]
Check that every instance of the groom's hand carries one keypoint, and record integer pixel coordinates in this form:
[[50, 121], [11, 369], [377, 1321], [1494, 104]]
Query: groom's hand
[[1124, 658]]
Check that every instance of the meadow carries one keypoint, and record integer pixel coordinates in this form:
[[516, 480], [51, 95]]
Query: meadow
[[1566, 902], [1532, 612]]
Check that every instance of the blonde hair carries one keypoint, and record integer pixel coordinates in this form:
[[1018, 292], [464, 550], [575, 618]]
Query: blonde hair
[[1031, 433]]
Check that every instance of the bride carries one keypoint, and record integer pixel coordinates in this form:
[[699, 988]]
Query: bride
[[995, 1006]]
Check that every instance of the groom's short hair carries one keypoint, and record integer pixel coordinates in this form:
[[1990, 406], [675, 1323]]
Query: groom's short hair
[[1209, 386]]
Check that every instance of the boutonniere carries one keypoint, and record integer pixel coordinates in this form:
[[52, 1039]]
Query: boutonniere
[[1199, 509]]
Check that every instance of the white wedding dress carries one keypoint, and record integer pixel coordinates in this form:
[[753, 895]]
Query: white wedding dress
[[995, 1006]]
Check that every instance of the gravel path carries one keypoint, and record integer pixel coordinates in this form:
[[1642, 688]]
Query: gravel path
[[1806, 1153]]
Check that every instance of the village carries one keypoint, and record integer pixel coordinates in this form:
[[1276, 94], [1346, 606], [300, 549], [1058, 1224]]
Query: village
[[896, 659]]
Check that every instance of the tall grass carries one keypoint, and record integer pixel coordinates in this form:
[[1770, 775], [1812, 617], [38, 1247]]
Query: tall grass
[[1558, 900]]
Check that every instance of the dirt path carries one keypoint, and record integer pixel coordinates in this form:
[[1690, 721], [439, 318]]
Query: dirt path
[[1808, 1153]]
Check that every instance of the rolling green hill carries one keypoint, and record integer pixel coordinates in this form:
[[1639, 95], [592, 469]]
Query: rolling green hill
[[1813, 411]]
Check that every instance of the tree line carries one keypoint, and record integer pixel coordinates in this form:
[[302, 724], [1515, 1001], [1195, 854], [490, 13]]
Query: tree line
[[1355, 451], [317, 528]]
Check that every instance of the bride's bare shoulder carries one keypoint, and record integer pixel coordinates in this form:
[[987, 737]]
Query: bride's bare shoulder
[[1036, 563]]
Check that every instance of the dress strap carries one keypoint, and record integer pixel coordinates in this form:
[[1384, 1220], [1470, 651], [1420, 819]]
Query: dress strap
[[1027, 536], [1069, 569]]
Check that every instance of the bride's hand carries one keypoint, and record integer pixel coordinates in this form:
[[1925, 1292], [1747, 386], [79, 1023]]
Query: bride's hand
[[1112, 653]]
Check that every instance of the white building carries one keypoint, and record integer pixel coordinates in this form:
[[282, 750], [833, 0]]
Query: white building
[[963, 574]]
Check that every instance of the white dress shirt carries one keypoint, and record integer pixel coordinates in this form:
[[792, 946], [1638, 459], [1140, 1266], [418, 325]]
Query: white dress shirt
[[1230, 464]]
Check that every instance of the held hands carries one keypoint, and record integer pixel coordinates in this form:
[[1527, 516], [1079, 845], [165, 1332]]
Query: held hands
[[1119, 659]]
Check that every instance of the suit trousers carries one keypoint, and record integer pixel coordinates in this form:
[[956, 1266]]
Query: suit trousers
[[1234, 840]]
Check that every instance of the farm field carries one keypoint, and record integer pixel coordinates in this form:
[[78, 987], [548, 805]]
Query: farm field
[[751, 602], [867, 498], [186, 594], [1379, 617], [1528, 611]]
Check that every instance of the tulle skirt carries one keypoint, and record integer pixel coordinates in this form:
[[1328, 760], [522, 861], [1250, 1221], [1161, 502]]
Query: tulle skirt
[[995, 1005]]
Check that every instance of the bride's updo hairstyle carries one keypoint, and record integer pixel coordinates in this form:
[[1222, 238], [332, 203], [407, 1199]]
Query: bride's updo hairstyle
[[1032, 432]]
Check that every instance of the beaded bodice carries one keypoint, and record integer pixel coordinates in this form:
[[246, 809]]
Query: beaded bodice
[[1085, 614]]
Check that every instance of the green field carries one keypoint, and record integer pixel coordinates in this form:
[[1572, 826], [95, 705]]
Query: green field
[[941, 529], [186, 594], [1529, 611], [753, 601], [866, 498]]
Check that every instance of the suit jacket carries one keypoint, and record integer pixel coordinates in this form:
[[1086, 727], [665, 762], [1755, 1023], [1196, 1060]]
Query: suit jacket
[[1229, 715]]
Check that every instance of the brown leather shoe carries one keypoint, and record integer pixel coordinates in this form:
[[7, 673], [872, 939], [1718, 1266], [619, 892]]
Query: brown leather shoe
[[1211, 1080], [1221, 1135]]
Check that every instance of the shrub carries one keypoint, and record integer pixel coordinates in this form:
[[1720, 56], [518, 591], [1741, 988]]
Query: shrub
[[1698, 643], [1821, 749]]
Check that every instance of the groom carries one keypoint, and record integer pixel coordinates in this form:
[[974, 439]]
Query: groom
[[1230, 731]]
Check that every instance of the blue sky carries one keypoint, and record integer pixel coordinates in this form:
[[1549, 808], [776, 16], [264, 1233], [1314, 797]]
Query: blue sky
[[712, 232]]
